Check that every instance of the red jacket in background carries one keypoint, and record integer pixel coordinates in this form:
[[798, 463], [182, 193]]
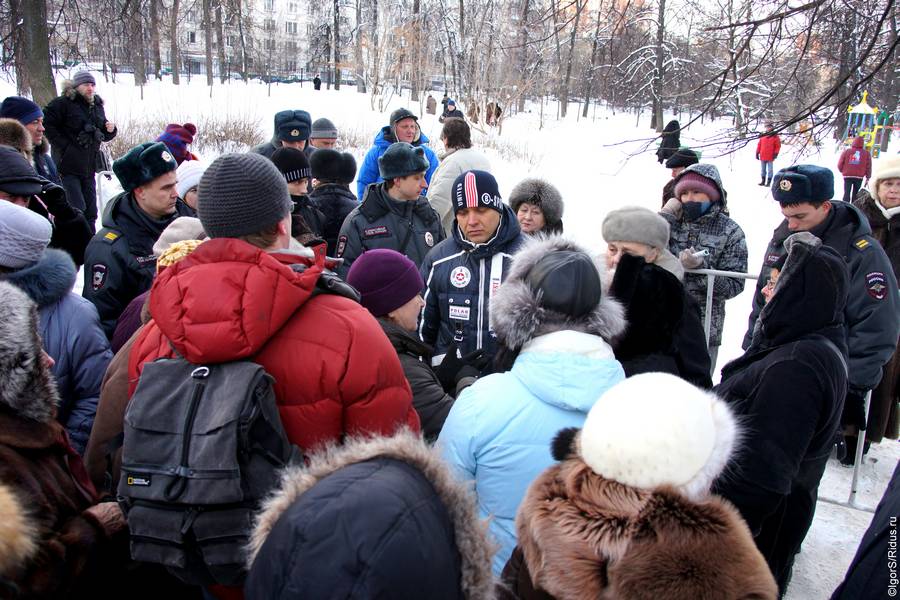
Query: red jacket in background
[[855, 161], [768, 147], [335, 371]]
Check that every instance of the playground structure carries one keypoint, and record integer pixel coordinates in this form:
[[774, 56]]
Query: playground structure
[[875, 126]]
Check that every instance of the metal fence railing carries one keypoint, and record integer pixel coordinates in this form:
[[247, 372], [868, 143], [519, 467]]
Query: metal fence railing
[[711, 275]]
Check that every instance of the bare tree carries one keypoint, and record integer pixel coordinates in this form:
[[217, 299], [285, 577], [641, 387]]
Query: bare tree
[[220, 42], [208, 40], [154, 38], [31, 49], [173, 41]]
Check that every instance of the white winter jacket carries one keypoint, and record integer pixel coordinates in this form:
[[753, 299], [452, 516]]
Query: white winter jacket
[[452, 166]]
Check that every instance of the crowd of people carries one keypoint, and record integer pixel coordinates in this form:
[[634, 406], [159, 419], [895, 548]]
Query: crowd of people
[[448, 397]]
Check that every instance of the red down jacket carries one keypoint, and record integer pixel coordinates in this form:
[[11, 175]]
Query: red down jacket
[[335, 372], [768, 147], [855, 161]]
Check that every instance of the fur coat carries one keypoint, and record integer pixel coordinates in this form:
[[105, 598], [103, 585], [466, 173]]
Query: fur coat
[[584, 536]]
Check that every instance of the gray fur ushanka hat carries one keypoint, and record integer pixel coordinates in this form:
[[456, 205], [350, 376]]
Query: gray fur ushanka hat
[[519, 312], [540, 193]]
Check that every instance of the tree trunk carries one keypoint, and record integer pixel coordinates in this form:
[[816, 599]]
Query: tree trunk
[[220, 43], [415, 72], [337, 45], [564, 100], [591, 76], [138, 48], [31, 50], [658, 76], [208, 39], [243, 40], [358, 53], [523, 54], [154, 38], [173, 43]]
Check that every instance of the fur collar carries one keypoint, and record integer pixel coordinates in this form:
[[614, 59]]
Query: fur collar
[[516, 313], [471, 534], [26, 386], [69, 91], [18, 535], [48, 280], [584, 536]]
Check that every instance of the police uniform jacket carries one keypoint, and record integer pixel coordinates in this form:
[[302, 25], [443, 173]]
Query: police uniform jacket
[[411, 228], [460, 278], [119, 262], [872, 314]]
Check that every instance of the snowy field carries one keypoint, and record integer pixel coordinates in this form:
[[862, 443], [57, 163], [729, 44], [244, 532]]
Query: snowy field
[[597, 168]]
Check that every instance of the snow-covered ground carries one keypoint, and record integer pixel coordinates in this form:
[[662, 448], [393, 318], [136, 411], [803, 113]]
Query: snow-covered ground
[[597, 169]]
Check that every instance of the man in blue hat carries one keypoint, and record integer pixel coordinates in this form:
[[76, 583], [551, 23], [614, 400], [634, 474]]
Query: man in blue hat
[[872, 314]]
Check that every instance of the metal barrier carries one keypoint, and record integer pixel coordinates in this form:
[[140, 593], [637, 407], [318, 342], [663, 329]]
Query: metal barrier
[[711, 275]]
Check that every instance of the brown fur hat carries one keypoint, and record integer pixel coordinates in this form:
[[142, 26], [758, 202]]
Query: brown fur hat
[[13, 133]]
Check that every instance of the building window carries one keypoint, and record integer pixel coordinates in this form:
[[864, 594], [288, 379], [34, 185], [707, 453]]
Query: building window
[[292, 7], [191, 17], [192, 37], [290, 65], [290, 28], [270, 4], [230, 41], [270, 24], [290, 46], [270, 44]]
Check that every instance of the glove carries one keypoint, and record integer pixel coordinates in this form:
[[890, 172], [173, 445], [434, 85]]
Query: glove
[[774, 156], [688, 260], [854, 409], [672, 207], [451, 369], [757, 156], [54, 198]]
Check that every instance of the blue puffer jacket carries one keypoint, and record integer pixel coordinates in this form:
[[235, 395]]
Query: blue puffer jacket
[[368, 172], [72, 336], [499, 430], [458, 278]]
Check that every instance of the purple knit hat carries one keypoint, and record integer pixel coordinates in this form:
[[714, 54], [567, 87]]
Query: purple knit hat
[[692, 180], [385, 279]]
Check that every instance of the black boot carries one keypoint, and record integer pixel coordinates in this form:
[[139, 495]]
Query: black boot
[[850, 459], [762, 182]]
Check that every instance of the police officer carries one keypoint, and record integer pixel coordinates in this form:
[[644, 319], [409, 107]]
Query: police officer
[[119, 260], [872, 314], [393, 214], [462, 273]]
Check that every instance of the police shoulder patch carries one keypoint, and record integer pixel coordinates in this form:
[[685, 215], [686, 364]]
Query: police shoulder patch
[[99, 273], [341, 246], [861, 244], [876, 285], [111, 236]]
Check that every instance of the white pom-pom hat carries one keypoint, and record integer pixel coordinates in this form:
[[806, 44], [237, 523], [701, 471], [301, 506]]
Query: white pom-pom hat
[[655, 429]]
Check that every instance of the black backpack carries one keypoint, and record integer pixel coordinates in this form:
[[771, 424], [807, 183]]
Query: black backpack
[[203, 445]]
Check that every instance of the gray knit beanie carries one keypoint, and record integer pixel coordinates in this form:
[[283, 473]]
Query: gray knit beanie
[[24, 236], [241, 194], [323, 129], [636, 224]]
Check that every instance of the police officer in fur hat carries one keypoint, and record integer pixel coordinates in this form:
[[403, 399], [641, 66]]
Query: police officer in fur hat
[[872, 314], [394, 214], [119, 262]]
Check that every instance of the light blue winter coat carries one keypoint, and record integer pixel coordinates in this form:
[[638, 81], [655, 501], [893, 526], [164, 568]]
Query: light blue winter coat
[[71, 334], [368, 172], [499, 431]]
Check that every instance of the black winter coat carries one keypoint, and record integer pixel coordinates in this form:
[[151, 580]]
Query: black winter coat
[[336, 201], [664, 332], [868, 574], [377, 518], [872, 313], [312, 216], [429, 399], [43, 162], [119, 262], [411, 228], [788, 391], [71, 231], [75, 129], [671, 141]]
